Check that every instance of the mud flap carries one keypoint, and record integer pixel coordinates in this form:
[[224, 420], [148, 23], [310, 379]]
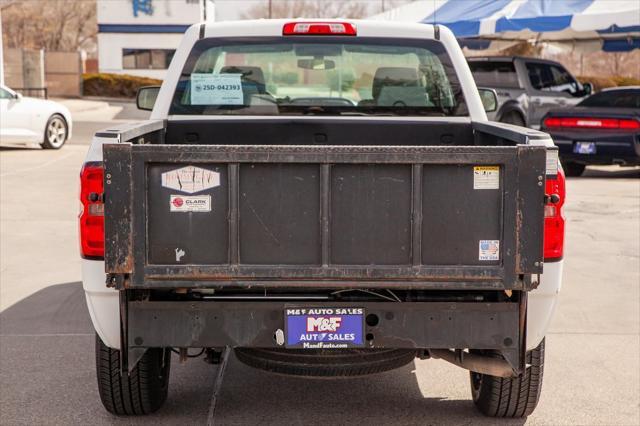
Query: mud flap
[[129, 357]]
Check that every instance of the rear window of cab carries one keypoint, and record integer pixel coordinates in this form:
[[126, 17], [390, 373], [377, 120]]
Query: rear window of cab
[[328, 75]]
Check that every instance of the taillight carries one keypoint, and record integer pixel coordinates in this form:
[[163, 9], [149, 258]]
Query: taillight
[[92, 210], [319, 28], [591, 123], [555, 194], [629, 124]]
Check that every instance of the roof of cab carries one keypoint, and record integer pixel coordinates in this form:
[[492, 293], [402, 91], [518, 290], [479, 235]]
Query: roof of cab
[[273, 28]]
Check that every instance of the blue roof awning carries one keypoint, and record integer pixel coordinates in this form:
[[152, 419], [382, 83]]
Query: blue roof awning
[[614, 23]]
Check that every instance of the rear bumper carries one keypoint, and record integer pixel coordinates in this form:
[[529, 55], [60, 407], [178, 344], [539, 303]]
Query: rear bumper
[[408, 325], [610, 148], [254, 324]]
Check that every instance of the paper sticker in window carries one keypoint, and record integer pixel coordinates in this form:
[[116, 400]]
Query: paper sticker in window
[[216, 89]]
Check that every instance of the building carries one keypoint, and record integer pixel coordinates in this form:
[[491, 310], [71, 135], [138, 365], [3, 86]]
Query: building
[[139, 37]]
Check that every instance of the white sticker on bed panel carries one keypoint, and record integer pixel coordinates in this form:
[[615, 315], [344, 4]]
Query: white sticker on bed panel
[[190, 179], [216, 89], [190, 203], [489, 250], [486, 177]]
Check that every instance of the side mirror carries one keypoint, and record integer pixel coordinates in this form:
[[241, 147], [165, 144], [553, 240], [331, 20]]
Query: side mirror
[[489, 99], [146, 97], [18, 96], [587, 88]]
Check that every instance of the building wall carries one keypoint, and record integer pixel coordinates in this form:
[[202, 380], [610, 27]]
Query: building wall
[[111, 47], [149, 12], [13, 65], [63, 73], [144, 24], [24, 68]]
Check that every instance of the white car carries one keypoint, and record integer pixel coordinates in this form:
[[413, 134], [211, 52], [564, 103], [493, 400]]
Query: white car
[[31, 120]]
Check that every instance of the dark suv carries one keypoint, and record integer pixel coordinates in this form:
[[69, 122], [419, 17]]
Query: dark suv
[[527, 88]]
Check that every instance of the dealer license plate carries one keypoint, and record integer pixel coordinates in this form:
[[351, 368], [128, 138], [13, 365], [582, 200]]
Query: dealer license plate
[[584, 148], [324, 328]]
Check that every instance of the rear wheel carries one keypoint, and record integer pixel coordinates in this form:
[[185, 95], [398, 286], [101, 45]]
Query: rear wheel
[[573, 169], [510, 397], [326, 363], [55, 133], [513, 118], [143, 391]]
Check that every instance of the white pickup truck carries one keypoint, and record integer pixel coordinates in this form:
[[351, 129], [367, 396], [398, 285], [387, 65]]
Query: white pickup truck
[[324, 198]]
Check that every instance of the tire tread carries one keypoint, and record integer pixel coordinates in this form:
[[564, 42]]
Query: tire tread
[[142, 392], [513, 397]]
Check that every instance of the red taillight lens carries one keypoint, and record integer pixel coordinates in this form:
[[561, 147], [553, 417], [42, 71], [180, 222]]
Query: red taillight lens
[[553, 218], [319, 28], [591, 123], [551, 122], [630, 124], [92, 213]]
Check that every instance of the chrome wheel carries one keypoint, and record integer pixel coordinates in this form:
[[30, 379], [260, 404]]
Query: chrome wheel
[[56, 132]]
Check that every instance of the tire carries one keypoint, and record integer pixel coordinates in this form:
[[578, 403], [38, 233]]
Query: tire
[[55, 132], [326, 363], [143, 391], [514, 118], [573, 169], [510, 397]]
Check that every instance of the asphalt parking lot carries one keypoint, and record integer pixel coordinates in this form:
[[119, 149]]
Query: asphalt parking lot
[[47, 373]]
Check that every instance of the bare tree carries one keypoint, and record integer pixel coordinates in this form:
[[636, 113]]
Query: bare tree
[[615, 63], [306, 8], [385, 5], [66, 25]]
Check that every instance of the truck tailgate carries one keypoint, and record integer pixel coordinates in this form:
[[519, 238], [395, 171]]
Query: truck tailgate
[[323, 216]]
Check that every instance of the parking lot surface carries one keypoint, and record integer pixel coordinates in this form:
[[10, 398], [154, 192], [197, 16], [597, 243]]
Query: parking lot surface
[[47, 372]]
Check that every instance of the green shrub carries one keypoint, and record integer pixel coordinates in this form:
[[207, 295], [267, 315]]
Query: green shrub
[[626, 81], [115, 85], [600, 83]]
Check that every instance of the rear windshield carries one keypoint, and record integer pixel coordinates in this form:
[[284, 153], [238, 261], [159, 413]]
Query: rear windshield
[[628, 98], [318, 76], [494, 74]]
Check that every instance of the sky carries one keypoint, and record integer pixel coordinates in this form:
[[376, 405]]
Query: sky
[[231, 9]]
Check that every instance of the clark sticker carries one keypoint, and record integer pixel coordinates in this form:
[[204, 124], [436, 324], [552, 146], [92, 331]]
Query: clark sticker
[[489, 250], [190, 203], [486, 177]]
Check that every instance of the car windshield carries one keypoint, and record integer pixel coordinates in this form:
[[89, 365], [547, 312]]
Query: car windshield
[[318, 76], [625, 98]]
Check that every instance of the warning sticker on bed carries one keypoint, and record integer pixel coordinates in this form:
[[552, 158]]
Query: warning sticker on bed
[[190, 203], [486, 177], [489, 250], [216, 89]]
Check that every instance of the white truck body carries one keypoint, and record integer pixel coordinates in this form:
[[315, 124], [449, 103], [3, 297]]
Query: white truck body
[[104, 303]]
